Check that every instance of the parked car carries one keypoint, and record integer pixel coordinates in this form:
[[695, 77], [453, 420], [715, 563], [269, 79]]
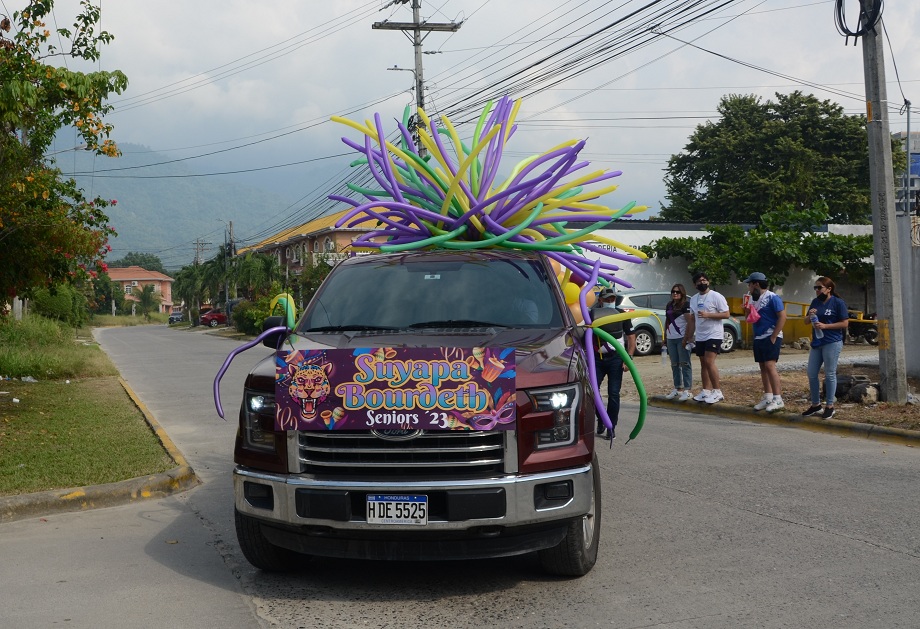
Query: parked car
[[213, 318], [648, 329], [176, 317]]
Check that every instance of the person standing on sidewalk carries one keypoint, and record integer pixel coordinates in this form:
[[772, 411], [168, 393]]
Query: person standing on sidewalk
[[675, 322], [830, 318], [607, 362], [709, 308], [768, 325]]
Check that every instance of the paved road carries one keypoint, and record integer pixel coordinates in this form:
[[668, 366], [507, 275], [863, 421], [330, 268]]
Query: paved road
[[708, 523]]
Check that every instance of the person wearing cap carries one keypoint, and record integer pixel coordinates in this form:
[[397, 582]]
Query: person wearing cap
[[607, 362], [767, 314]]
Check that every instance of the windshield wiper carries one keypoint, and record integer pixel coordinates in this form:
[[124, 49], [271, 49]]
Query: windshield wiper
[[457, 323], [350, 328]]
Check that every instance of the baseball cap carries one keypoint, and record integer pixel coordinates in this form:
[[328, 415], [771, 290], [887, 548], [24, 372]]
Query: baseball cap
[[755, 277], [606, 293]]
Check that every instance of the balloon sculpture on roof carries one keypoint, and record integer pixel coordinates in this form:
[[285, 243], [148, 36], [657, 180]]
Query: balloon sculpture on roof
[[453, 198]]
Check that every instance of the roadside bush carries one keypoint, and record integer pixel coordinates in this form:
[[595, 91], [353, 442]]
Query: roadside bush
[[62, 303], [247, 318]]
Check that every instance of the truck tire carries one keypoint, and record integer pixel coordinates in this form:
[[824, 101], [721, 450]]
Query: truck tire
[[259, 552], [576, 554]]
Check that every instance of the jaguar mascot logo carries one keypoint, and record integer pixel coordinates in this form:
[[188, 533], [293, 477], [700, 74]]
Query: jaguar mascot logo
[[309, 384]]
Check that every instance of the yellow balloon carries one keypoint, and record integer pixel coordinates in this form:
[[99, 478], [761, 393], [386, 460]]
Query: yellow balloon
[[570, 291], [620, 316]]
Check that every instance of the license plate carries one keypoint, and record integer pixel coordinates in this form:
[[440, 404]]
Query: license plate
[[397, 509]]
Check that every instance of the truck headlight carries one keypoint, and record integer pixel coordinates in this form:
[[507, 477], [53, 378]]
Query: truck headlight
[[259, 421], [563, 403]]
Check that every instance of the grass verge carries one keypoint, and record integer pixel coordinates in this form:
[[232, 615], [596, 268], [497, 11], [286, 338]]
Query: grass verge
[[87, 432], [75, 425]]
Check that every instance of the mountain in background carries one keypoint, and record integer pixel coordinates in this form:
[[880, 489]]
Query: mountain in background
[[163, 210]]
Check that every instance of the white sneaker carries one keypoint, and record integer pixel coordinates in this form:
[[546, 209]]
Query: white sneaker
[[673, 394], [702, 395], [684, 396], [763, 403], [775, 405], [715, 396]]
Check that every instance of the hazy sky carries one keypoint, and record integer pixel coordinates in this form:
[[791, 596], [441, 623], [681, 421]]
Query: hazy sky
[[253, 84]]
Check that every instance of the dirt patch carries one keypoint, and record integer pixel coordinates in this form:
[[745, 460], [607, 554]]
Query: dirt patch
[[744, 389]]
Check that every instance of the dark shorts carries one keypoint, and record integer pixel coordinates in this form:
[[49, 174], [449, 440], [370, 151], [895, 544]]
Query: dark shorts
[[712, 345], [765, 351]]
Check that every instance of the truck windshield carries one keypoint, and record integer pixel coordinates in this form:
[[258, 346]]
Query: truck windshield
[[418, 292]]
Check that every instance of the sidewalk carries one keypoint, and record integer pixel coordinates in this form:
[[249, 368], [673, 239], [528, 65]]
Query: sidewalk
[[656, 377]]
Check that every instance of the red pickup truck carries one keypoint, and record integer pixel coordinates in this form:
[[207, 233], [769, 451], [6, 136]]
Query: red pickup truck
[[360, 459]]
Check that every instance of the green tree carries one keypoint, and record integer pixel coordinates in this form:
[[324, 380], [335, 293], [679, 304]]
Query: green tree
[[256, 273], [49, 232], [311, 278], [785, 239], [187, 288], [147, 299], [796, 151], [104, 293], [146, 261]]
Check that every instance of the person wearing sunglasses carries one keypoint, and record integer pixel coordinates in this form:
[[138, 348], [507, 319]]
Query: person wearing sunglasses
[[676, 314], [829, 317]]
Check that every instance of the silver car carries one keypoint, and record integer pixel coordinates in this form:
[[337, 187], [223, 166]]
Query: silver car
[[648, 329]]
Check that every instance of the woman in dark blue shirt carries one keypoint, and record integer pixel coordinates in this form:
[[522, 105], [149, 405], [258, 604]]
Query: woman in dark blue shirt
[[829, 317]]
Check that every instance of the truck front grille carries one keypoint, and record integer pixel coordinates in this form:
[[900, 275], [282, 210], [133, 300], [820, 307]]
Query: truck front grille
[[433, 454]]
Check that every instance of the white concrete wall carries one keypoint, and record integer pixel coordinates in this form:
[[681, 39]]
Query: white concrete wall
[[662, 274]]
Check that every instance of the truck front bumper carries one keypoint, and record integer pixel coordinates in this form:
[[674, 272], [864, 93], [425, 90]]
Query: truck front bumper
[[492, 517]]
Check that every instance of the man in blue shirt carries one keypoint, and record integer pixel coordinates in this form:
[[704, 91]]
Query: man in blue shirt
[[768, 319]]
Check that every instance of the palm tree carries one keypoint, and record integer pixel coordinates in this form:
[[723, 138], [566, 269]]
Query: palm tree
[[147, 299], [257, 272], [187, 288]]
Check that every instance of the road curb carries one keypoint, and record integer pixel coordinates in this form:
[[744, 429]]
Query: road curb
[[180, 478], [901, 436]]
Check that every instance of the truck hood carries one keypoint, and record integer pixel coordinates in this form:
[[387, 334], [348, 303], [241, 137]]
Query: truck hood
[[542, 357]]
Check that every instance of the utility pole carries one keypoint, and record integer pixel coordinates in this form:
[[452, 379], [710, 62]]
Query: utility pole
[[226, 270], [416, 27], [891, 357], [231, 252], [199, 247]]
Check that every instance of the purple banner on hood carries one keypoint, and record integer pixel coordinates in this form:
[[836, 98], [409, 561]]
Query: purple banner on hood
[[445, 388]]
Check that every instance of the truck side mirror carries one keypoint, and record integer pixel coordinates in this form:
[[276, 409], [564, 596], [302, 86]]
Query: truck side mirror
[[272, 340]]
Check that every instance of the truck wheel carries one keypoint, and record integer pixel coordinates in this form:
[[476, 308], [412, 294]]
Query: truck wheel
[[259, 552], [576, 554]]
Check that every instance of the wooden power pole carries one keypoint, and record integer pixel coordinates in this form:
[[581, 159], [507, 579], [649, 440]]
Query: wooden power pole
[[416, 27]]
